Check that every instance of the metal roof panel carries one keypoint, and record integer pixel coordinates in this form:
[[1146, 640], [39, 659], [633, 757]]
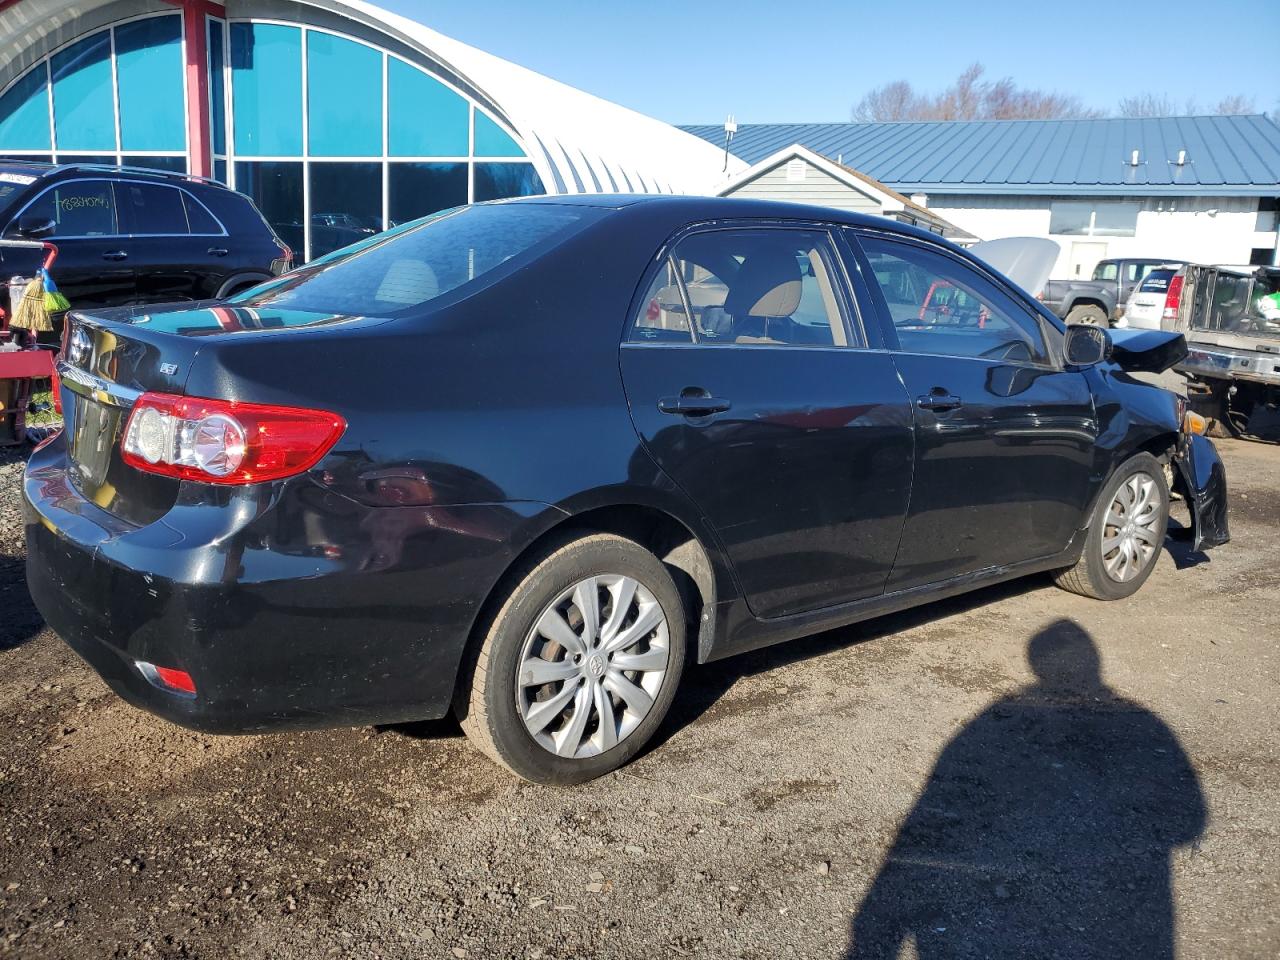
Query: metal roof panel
[[1233, 155]]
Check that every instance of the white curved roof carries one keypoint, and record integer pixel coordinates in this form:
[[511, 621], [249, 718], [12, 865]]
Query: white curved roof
[[587, 144], [578, 143]]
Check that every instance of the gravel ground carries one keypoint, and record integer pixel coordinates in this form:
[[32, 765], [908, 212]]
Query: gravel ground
[[910, 782]]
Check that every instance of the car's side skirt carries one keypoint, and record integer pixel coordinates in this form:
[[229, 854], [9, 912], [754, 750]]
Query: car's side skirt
[[741, 632]]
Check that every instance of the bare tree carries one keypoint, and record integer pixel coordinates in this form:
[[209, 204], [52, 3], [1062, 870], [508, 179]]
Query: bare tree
[[1235, 105], [971, 97], [1162, 105], [891, 102], [1147, 105]]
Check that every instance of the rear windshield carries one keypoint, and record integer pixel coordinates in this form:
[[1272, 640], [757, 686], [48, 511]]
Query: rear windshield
[[1157, 281], [412, 265]]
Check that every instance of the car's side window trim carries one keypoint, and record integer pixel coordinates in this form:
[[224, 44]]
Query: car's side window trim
[[849, 310], [113, 181], [1053, 357]]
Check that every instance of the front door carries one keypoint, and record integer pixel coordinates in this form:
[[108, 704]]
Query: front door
[[1004, 436], [791, 437], [93, 267]]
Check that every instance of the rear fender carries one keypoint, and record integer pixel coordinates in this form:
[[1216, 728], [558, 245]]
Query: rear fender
[[1202, 479]]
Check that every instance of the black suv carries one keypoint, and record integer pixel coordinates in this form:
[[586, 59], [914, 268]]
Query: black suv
[[129, 235]]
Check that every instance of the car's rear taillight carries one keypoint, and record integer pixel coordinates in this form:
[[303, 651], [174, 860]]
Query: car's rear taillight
[[282, 264], [222, 441], [1173, 297]]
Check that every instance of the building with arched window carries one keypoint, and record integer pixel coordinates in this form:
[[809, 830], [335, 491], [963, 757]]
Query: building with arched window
[[338, 118]]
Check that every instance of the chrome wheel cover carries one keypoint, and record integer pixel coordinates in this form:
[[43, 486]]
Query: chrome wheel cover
[[1130, 538], [592, 666]]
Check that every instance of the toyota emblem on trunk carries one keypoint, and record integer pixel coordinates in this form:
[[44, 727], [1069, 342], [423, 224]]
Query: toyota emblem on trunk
[[80, 347]]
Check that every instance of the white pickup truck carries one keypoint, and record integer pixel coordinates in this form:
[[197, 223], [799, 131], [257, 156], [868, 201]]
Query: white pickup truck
[[1230, 317]]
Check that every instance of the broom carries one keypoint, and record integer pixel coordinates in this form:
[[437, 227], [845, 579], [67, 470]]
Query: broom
[[40, 300], [30, 313], [54, 301]]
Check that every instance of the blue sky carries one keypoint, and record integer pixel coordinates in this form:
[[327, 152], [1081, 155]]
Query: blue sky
[[696, 60]]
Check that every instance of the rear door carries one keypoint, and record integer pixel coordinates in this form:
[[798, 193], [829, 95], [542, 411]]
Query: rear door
[[1004, 436], [93, 267], [755, 388], [170, 264]]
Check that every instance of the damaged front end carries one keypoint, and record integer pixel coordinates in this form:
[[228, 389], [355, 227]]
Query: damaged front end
[[1202, 479]]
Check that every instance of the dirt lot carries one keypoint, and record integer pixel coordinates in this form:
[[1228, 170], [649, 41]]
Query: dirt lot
[[910, 782]]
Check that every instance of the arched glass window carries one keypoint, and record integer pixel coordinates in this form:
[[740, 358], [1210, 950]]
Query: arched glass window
[[114, 96], [337, 139], [334, 137]]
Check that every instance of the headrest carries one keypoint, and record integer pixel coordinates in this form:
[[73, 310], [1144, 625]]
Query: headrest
[[767, 284]]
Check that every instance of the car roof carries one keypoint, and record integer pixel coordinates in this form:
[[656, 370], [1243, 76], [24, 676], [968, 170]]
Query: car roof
[[44, 171], [691, 209]]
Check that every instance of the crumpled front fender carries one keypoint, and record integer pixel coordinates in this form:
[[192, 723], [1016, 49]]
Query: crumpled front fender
[[1204, 484]]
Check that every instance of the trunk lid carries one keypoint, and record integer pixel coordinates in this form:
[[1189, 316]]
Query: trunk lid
[[112, 357]]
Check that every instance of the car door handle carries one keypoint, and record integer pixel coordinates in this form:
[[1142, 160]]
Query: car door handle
[[218, 251], [115, 255], [693, 406], [939, 402]]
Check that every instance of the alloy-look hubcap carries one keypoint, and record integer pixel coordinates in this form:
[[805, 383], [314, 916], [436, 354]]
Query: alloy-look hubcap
[[592, 666], [1130, 539]]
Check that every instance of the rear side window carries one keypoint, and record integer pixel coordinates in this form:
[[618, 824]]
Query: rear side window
[[942, 306], [662, 317], [1106, 271], [199, 219], [156, 209], [1157, 281], [748, 287], [82, 208], [410, 266]]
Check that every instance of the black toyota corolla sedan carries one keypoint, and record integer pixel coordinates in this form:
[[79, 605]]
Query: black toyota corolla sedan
[[524, 461]]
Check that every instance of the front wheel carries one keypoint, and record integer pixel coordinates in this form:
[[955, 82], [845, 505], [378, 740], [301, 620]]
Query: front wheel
[[1125, 535], [1088, 313], [579, 665]]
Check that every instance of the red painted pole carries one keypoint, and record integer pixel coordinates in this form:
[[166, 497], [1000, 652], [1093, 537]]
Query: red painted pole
[[198, 129], [196, 37]]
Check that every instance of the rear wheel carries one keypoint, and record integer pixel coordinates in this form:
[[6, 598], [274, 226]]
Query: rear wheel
[[1088, 313], [1125, 535], [579, 665]]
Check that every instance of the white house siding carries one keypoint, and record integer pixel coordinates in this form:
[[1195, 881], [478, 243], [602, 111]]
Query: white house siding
[[1200, 229], [818, 187]]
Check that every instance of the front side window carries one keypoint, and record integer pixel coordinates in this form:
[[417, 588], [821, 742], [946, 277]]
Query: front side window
[[84, 208], [942, 306], [762, 287]]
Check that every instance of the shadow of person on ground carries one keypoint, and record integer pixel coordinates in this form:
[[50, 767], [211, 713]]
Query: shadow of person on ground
[[1045, 828], [19, 619]]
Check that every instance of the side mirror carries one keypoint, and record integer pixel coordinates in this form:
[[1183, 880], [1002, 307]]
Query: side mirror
[[35, 227], [1086, 345]]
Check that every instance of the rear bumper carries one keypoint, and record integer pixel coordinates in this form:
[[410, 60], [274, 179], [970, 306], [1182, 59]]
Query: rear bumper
[[289, 605], [1213, 361], [1204, 483]]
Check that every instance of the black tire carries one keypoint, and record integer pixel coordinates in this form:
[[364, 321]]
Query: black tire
[[488, 702], [1088, 313], [1089, 576], [237, 285]]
